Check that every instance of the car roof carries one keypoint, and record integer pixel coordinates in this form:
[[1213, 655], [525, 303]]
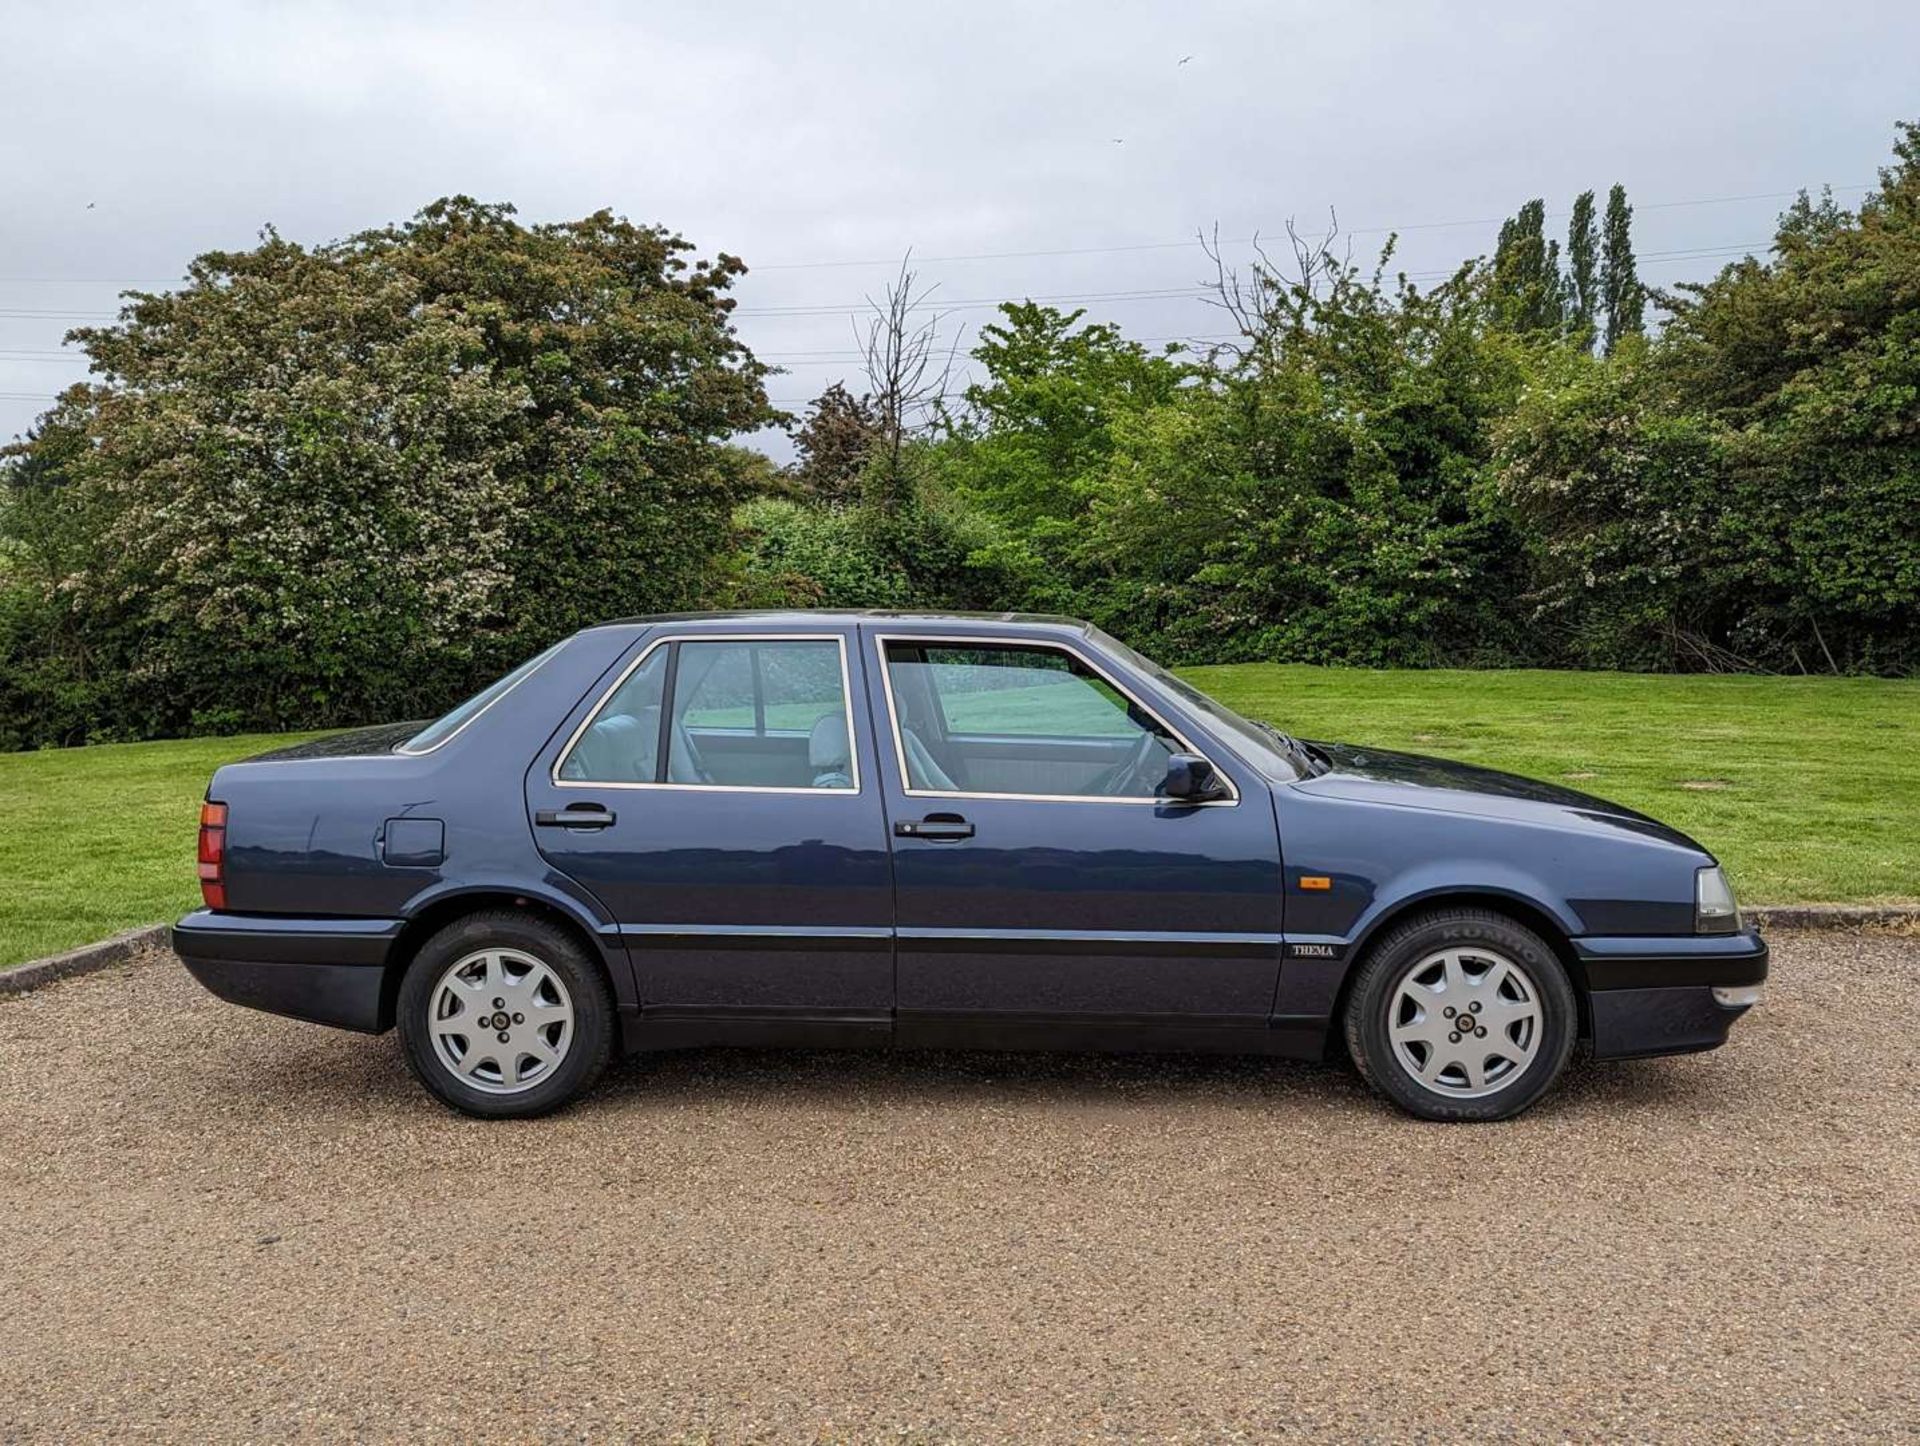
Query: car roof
[[814, 617]]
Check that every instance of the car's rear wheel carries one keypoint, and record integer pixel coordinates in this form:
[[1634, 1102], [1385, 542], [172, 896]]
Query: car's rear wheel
[[503, 1015], [1462, 1014]]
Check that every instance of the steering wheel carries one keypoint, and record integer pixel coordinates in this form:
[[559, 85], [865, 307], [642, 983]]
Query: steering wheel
[[1130, 778]]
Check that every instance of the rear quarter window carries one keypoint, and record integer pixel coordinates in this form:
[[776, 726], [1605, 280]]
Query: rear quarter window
[[448, 724]]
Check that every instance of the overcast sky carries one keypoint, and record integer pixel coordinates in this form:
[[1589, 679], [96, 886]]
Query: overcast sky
[[820, 141]]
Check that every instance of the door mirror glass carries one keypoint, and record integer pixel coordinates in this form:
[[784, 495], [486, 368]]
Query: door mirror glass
[[1192, 779]]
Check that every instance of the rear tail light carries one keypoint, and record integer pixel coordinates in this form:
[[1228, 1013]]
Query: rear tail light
[[213, 855]]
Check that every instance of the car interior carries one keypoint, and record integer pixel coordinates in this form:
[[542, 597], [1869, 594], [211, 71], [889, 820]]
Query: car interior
[[1031, 721], [1018, 720], [743, 715]]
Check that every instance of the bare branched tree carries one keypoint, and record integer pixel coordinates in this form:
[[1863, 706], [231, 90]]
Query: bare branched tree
[[1270, 295], [907, 378]]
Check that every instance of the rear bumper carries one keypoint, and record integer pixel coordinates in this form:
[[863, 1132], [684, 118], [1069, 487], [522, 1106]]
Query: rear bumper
[[329, 971], [1656, 996]]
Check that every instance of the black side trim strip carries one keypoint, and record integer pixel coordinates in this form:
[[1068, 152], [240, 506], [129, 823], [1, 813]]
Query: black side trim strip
[[361, 946], [1656, 972], [695, 936], [1120, 945]]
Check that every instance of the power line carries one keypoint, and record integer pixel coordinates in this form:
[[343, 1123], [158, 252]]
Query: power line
[[1194, 290], [1113, 248], [824, 358], [855, 308], [1248, 240]]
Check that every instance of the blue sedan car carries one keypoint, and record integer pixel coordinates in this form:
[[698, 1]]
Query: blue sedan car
[[883, 829]]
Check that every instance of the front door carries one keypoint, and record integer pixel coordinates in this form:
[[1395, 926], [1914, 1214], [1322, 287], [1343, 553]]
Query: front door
[[1038, 880], [720, 800]]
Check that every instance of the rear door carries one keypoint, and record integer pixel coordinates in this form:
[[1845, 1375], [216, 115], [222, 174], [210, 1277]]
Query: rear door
[[720, 800], [1038, 879]]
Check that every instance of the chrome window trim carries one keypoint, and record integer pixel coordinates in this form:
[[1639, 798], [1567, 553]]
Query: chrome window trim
[[881, 640], [399, 750], [846, 702]]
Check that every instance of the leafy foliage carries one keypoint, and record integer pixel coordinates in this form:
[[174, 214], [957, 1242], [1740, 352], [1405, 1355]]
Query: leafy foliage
[[315, 486], [840, 433], [349, 482], [1747, 487], [1526, 272], [797, 556]]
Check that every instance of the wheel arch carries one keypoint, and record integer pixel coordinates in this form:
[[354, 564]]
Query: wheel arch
[[432, 915], [1528, 913]]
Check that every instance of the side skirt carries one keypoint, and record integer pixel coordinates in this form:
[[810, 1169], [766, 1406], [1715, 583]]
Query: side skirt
[[661, 1029], [669, 1028]]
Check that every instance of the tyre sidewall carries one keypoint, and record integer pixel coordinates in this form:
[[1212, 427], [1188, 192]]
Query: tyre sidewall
[[1384, 970], [593, 1015]]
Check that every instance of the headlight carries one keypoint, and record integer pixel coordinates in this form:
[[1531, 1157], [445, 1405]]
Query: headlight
[[1714, 911]]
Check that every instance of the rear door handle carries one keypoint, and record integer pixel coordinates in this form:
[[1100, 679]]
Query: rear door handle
[[575, 815], [937, 828]]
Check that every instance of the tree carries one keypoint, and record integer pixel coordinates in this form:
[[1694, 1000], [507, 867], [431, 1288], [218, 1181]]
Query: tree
[[1324, 496], [332, 484], [907, 381], [839, 437], [1583, 270], [1526, 272], [1745, 489], [1624, 299], [1040, 426]]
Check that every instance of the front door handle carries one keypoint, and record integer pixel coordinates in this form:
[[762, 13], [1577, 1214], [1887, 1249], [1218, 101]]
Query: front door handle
[[575, 815], [937, 828]]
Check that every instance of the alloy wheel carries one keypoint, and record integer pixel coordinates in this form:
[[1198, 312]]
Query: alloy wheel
[[1465, 1022], [501, 1021]]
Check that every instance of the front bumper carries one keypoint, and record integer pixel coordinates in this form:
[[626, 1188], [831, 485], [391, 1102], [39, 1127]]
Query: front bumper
[[329, 971], [1658, 996]]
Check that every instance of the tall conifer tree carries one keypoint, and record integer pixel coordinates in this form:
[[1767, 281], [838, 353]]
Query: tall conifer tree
[[1625, 298], [1526, 271], [1583, 268]]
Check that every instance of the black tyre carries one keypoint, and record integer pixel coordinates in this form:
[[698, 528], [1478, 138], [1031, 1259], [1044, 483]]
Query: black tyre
[[504, 1016], [1462, 1014]]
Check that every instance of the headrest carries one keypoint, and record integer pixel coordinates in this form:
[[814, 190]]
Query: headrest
[[619, 748], [827, 744]]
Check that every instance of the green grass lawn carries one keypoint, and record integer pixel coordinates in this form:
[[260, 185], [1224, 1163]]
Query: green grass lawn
[[1808, 788], [100, 839]]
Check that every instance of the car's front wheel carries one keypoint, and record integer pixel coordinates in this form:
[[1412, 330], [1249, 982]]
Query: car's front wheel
[[503, 1015], [1462, 1014]]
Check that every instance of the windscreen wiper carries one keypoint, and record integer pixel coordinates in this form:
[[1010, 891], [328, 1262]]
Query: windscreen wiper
[[1308, 762]]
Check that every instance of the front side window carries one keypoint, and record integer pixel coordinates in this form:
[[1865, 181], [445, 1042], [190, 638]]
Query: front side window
[[751, 713], [1020, 720]]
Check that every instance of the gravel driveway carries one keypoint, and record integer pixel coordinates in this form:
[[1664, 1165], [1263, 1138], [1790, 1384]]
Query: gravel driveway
[[220, 1225]]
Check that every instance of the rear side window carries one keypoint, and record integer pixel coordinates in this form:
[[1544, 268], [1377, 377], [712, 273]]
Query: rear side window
[[765, 713], [444, 727], [622, 744]]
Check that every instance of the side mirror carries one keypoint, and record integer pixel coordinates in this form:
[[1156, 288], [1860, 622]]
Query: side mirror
[[1191, 779]]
